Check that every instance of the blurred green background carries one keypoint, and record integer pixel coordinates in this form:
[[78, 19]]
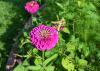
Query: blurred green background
[[12, 17]]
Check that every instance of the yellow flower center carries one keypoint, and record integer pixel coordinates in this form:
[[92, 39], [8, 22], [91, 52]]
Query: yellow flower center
[[44, 33]]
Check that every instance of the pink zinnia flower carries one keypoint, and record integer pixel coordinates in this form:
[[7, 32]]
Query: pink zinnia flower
[[32, 7], [44, 37]]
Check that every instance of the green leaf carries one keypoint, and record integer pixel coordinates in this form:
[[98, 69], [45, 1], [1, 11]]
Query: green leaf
[[38, 61], [66, 30], [84, 49], [26, 63], [35, 51], [48, 53], [60, 5], [67, 64], [81, 69], [20, 67], [49, 68], [70, 47], [81, 3], [70, 15], [50, 59], [72, 54], [25, 34], [72, 44], [86, 52], [82, 62], [34, 68]]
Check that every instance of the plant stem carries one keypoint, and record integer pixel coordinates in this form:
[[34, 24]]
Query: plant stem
[[43, 54]]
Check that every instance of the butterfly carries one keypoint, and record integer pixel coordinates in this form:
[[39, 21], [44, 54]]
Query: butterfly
[[58, 25]]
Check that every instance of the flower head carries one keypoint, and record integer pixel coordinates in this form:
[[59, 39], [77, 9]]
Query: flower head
[[32, 7], [44, 37]]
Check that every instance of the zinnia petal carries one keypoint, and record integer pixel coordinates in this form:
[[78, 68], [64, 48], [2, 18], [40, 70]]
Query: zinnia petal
[[44, 37], [32, 7]]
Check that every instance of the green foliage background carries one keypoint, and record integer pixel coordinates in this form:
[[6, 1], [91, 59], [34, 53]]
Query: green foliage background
[[79, 43], [12, 16], [83, 20], [78, 48]]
